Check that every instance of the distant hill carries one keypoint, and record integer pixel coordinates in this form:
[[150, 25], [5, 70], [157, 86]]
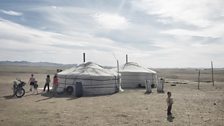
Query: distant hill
[[26, 63], [34, 67]]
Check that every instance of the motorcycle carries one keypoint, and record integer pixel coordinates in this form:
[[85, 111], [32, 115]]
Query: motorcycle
[[18, 89]]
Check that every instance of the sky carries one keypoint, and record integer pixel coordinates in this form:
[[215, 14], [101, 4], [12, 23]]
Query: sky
[[154, 33]]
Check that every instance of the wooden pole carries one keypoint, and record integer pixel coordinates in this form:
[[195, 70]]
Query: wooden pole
[[212, 74], [119, 81], [118, 73], [198, 79]]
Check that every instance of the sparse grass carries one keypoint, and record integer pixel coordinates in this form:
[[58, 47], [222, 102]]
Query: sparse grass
[[131, 107]]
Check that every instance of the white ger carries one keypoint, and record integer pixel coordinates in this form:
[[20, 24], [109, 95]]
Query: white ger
[[87, 79], [134, 75]]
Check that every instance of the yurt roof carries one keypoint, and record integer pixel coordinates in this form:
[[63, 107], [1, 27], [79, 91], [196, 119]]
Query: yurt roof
[[134, 67], [86, 70], [114, 71]]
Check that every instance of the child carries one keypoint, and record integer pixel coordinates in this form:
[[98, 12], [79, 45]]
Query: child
[[48, 80], [31, 82], [169, 101], [35, 87], [55, 83]]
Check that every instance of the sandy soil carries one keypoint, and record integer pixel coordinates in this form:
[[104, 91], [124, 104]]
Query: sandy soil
[[191, 107]]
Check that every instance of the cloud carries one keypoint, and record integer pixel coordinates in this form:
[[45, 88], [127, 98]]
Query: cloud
[[198, 13], [215, 31], [12, 13], [46, 46], [67, 19], [111, 21], [22, 34], [155, 33], [24, 43]]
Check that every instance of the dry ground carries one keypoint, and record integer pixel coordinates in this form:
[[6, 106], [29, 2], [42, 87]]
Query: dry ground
[[191, 107]]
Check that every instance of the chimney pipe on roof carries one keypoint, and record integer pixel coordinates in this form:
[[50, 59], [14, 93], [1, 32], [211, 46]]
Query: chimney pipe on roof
[[126, 58], [84, 57]]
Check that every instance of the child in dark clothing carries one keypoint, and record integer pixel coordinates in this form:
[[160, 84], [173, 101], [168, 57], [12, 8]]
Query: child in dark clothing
[[169, 101], [47, 84]]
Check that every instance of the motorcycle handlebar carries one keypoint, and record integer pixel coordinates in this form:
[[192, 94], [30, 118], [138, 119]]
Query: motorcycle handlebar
[[21, 81]]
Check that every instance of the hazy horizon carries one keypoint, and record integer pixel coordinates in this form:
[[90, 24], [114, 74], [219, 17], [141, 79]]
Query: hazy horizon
[[154, 33], [121, 64]]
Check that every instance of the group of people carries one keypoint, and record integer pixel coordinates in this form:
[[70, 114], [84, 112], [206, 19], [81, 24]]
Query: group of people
[[34, 85]]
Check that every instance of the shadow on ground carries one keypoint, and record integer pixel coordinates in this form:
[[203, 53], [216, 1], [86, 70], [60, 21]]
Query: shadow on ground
[[7, 97], [50, 95], [10, 97]]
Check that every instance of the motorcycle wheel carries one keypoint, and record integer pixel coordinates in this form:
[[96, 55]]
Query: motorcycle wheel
[[20, 93], [69, 90]]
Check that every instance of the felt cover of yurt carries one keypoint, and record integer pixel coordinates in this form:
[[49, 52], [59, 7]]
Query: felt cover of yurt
[[94, 78], [134, 75]]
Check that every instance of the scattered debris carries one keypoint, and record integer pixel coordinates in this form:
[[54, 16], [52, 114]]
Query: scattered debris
[[206, 119], [176, 82], [173, 84]]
